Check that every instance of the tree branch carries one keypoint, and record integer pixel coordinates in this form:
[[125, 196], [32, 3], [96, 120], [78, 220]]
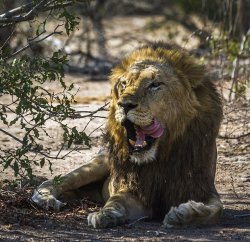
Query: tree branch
[[11, 135], [34, 150], [235, 71], [17, 10], [30, 10], [29, 15], [33, 43]]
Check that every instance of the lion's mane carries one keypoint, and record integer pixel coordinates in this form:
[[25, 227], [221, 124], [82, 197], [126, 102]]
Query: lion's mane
[[185, 161]]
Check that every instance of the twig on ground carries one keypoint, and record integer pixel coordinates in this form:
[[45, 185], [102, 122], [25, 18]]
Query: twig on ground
[[136, 221], [32, 205], [157, 233], [232, 183], [242, 215]]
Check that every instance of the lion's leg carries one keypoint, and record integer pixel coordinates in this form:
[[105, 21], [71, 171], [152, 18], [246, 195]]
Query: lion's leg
[[93, 192], [119, 209], [194, 213], [47, 194]]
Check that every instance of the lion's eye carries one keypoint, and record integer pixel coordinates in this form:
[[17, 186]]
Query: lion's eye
[[123, 84], [155, 85]]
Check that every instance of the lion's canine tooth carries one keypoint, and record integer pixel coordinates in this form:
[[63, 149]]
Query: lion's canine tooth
[[132, 142]]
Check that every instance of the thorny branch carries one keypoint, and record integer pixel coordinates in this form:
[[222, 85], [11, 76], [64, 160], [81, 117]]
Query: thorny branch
[[31, 43], [37, 149], [30, 10], [34, 149], [233, 187], [92, 113]]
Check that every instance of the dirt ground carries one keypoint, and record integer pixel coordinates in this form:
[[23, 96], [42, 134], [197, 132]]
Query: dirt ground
[[20, 220]]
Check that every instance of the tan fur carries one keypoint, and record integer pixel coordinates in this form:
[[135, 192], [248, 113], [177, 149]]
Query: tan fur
[[175, 177]]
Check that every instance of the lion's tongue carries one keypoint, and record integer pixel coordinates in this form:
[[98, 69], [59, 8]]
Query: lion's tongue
[[154, 130]]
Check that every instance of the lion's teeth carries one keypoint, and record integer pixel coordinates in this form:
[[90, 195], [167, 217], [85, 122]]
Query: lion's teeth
[[141, 145], [132, 142]]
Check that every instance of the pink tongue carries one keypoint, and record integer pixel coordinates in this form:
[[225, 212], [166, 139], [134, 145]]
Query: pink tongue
[[154, 130]]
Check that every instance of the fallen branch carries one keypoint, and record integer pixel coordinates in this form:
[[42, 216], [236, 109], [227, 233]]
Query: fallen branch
[[136, 221]]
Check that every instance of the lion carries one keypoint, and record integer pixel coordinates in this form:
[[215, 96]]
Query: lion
[[160, 162]]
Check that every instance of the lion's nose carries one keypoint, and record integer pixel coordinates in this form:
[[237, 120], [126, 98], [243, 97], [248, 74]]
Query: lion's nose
[[127, 105]]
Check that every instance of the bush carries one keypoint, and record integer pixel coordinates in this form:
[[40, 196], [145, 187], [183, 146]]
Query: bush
[[23, 78]]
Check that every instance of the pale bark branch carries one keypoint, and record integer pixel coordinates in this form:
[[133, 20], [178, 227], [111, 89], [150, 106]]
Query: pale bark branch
[[34, 150], [30, 10], [34, 42]]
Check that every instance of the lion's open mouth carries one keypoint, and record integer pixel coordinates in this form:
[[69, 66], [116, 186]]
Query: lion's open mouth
[[142, 138]]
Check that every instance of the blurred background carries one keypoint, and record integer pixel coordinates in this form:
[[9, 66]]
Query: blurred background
[[216, 32]]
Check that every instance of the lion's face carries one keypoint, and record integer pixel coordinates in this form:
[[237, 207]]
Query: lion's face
[[151, 101]]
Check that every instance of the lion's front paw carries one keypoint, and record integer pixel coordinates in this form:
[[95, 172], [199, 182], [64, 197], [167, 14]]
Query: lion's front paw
[[193, 213], [107, 217], [178, 216], [44, 198]]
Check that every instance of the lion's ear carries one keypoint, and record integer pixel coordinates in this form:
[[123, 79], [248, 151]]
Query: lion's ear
[[194, 73], [187, 65], [114, 79], [114, 91]]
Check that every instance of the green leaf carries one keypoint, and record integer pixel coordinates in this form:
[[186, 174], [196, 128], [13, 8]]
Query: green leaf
[[3, 108], [14, 121], [42, 162], [50, 166], [71, 87], [16, 168], [70, 141], [36, 133], [7, 163], [86, 139], [57, 180]]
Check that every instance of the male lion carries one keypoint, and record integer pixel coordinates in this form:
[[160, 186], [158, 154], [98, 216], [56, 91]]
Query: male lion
[[161, 132]]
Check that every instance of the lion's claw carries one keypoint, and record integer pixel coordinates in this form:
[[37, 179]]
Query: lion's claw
[[190, 213], [107, 217], [45, 198], [47, 201]]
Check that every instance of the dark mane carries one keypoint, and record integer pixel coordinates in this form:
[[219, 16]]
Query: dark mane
[[182, 169]]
